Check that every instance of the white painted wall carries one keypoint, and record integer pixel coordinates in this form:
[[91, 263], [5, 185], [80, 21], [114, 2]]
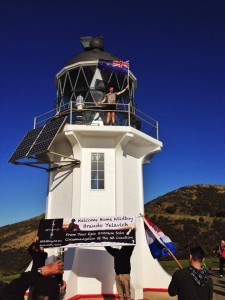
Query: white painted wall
[[98, 202], [90, 271]]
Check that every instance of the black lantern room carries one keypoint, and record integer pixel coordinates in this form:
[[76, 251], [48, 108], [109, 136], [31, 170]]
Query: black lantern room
[[81, 77]]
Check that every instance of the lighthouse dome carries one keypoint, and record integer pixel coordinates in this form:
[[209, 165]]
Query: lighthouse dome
[[94, 50], [96, 42]]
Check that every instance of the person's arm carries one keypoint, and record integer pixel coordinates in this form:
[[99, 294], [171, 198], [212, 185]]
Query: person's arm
[[17, 287], [56, 267], [130, 249], [219, 251], [30, 249], [110, 250], [173, 286], [103, 100], [44, 255], [62, 290], [121, 92]]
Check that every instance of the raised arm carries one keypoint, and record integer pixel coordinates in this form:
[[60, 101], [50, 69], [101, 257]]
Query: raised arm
[[121, 92], [103, 100]]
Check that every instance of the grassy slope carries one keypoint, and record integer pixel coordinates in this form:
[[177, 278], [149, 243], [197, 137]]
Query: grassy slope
[[14, 240]]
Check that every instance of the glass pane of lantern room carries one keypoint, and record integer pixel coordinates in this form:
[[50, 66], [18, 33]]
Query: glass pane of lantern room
[[89, 73], [97, 95], [81, 82], [105, 77], [122, 81], [73, 76], [114, 83]]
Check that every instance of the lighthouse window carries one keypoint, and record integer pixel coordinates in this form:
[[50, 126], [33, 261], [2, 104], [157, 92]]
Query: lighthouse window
[[97, 171]]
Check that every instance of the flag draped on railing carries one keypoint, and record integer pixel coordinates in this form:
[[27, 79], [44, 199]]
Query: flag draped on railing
[[116, 66], [159, 244]]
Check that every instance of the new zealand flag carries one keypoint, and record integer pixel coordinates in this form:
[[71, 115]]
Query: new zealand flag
[[116, 66]]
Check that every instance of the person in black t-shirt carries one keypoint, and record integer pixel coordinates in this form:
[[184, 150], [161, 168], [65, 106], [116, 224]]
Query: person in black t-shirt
[[38, 254], [122, 268], [193, 282], [39, 257], [45, 284]]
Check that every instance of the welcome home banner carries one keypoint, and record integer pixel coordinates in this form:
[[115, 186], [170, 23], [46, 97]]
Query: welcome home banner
[[89, 231]]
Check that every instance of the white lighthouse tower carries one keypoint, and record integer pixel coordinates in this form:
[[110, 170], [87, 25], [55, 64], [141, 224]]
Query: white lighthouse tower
[[96, 170]]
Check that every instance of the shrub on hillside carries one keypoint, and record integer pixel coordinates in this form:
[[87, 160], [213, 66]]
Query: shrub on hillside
[[220, 214], [171, 209]]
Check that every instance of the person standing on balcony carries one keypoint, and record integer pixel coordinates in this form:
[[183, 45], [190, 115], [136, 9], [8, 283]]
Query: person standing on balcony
[[110, 99]]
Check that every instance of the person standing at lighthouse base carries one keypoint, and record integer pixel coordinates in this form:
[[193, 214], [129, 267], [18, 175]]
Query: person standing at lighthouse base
[[221, 254], [122, 268], [193, 282]]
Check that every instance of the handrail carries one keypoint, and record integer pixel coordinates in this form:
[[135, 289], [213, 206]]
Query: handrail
[[129, 114], [125, 116]]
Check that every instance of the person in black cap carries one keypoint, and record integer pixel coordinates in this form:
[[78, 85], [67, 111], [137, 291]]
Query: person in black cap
[[46, 285]]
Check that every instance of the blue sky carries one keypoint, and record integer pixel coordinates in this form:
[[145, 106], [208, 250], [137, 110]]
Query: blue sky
[[177, 52]]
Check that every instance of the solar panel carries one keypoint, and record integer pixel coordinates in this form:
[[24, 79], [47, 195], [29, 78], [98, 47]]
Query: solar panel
[[38, 140], [46, 137], [25, 145]]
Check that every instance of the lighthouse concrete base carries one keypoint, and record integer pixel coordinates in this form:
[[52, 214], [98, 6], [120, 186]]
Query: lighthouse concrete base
[[89, 271]]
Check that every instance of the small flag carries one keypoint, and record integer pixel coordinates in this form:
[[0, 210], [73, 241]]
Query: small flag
[[157, 241], [116, 66]]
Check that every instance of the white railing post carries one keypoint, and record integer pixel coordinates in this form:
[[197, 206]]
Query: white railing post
[[35, 122], [71, 116], [129, 114], [157, 130]]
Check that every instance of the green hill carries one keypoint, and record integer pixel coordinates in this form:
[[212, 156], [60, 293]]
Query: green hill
[[201, 200], [191, 215], [14, 240]]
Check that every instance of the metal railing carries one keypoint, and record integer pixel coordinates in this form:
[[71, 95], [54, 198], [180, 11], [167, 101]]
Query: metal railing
[[92, 114]]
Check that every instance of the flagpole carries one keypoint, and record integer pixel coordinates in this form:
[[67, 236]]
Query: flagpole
[[128, 84], [174, 257], [128, 77]]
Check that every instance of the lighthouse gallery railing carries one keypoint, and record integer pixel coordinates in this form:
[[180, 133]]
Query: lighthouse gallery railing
[[92, 114]]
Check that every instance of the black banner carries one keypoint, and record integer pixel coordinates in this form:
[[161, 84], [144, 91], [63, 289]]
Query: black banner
[[54, 233]]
